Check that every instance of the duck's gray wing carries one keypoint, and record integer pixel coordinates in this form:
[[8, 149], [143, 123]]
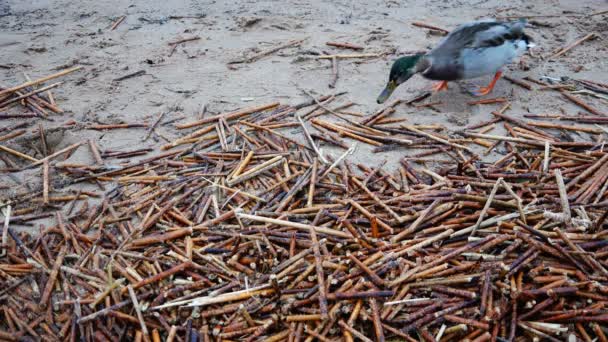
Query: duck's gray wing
[[478, 34], [447, 62], [496, 35]]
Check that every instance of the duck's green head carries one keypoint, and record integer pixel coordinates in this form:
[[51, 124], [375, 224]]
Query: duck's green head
[[403, 68]]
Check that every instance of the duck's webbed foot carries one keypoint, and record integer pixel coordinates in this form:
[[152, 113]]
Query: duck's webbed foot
[[486, 90], [443, 85]]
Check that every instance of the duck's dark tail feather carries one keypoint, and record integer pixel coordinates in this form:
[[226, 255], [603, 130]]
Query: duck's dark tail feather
[[518, 27], [528, 40]]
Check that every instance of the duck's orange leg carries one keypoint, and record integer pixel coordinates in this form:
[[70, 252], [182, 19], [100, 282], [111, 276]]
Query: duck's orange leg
[[486, 90], [443, 85]]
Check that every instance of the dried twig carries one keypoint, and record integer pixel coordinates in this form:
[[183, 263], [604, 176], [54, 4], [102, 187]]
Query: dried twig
[[264, 53]]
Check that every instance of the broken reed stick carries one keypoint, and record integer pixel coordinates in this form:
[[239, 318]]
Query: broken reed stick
[[370, 216], [313, 181], [153, 126], [43, 142], [263, 290], [345, 45], [397, 217], [414, 226], [430, 27], [160, 276], [26, 95], [311, 141], [521, 124], [115, 126], [344, 132], [546, 157], [320, 275], [242, 165], [598, 164], [517, 82], [370, 273], [486, 206], [45, 182], [353, 331], [17, 116], [600, 12], [565, 127], [487, 101], [18, 154], [117, 22], [563, 195], [230, 115], [46, 294], [264, 53], [38, 81], [95, 151], [505, 138], [183, 40], [517, 198], [127, 76], [304, 227], [432, 137], [582, 104], [346, 56], [334, 72], [140, 317], [267, 165], [569, 47], [58, 153], [7, 220]]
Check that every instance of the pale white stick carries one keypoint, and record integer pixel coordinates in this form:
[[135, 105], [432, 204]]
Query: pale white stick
[[7, 218], [301, 226], [546, 160], [312, 142], [487, 206], [563, 195], [140, 317], [351, 150]]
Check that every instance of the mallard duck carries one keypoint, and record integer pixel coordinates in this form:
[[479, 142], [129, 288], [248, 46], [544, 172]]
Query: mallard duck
[[472, 50]]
